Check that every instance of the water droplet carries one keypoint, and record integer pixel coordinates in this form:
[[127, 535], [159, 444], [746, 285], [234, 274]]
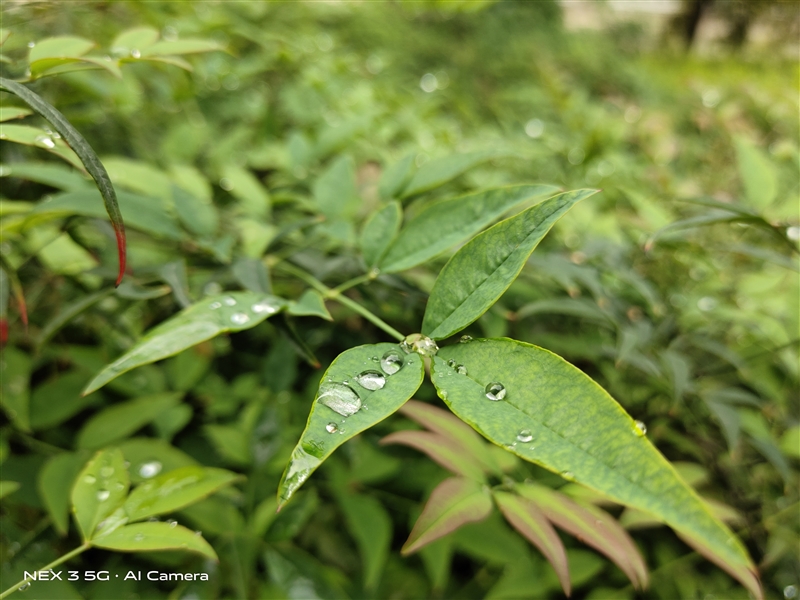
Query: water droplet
[[172, 524], [107, 471], [90, 479], [392, 362], [150, 469], [495, 391], [138, 537], [639, 428], [451, 363], [198, 533], [264, 307], [229, 301], [331, 428], [45, 141], [525, 436], [416, 342], [371, 380], [26, 584], [339, 398], [375, 359], [461, 369], [215, 305], [135, 53], [31, 44], [790, 591], [240, 318], [103, 495], [465, 339], [567, 474]]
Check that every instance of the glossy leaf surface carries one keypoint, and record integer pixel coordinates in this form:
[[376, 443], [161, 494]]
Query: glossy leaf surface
[[140, 537], [450, 222], [442, 450], [552, 414], [357, 408], [99, 489], [202, 321], [482, 270], [439, 171]]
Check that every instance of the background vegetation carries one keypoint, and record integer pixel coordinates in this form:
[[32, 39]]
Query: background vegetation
[[676, 288]]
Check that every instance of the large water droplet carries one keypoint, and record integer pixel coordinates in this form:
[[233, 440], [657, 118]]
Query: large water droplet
[[331, 428], [90, 479], [416, 342], [392, 362], [465, 339], [264, 307], [46, 141], [103, 495], [149, 469], [340, 398], [229, 301], [639, 428], [138, 537], [107, 471], [525, 436], [240, 318], [371, 380], [461, 369], [495, 391], [25, 585]]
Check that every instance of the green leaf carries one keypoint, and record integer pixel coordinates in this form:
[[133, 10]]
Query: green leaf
[[59, 399], [252, 274], [15, 386], [99, 490], [525, 517], [174, 490], [197, 215], [141, 537], [552, 414], [55, 484], [39, 138], [396, 177], [371, 527], [243, 185], [137, 38], [54, 175], [9, 113], [8, 487], [442, 450], [439, 171], [201, 321], [335, 190], [343, 410], [758, 174], [150, 456], [310, 304], [379, 231], [482, 270], [452, 221], [188, 46], [453, 503], [124, 418], [53, 51]]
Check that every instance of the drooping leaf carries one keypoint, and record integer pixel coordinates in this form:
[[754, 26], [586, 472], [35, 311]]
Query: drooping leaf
[[452, 221], [550, 413], [55, 483], [453, 503], [525, 517], [371, 527], [99, 490], [310, 304], [202, 321], [124, 418], [174, 490], [141, 537], [482, 270], [343, 407], [445, 451], [439, 171], [379, 231]]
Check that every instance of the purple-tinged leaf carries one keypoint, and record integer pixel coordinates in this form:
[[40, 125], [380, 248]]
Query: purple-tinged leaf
[[442, 450], [454, 502], [525, 517]]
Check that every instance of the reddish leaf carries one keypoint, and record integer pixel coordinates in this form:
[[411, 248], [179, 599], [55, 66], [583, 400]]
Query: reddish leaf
[[444, 451], [746, 577], [454, 502]]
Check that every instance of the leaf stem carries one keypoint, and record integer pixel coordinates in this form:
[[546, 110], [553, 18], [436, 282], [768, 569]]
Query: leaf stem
[[335, 294], [55, 563]]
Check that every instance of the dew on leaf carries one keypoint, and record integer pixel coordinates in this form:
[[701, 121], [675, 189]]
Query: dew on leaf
[[229, 301], [264, 307], [461, 369], [90, 479], [525, 436], [495, 391], [371, 380], [172, 524], [639, 428], [240, 318], [138, 537], [451, 363], [331, 428], [107, 471], [25, 585], [340, 398], [149, 469], [465, 339], [392, 362], [46, 141], [420, 344], [103, 495], [215, 305]]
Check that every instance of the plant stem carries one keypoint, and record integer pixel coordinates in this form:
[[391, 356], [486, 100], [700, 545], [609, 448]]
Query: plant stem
[[55, 563], [335, 294]]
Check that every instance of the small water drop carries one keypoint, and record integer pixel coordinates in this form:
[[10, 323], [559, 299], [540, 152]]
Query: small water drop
[[375, 359], [135, 53], [90, 479], [392, 362], [639, 428], [567, 474], [525, 436], [465, 339], [371, 380], [103, 495], [152, 520], [149, 469], [107, 471], [229, 301], [420, 344], [461, 369], [172, 524], [25, 584], [240, 318], [46, 141], [331, 428], [451, 363], [264, 307], [215, 305], [198, 533], [31, 44], [495, 391], [340, 398], [138, 537]]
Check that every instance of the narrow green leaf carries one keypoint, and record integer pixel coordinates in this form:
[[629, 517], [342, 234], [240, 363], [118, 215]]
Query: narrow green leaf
[[9, 113], [552, 414], [55, 484], [335, 190], [8, 487], [396, 177], [379, 231], [134, 39], [201, 321], [188, 46], [99, 490], [39, 138], [371, 527], [54, 175], [452, 221], [87, 156], [67, 313], [174, 490], [525, 517], [310, 304], [481, 271], [15, 386], [439, 171], [243, 185], [48, 52], [453, 503], [442, 450], [758, 174], [141, 537], [343, 407], [124, 418]]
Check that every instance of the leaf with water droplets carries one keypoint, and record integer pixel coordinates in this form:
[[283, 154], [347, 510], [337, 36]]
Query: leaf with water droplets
[[450, 222], [577, 428], [481, 271], [310, 304], [199, 322], [525, 517], [350, 406], [442, 450], [168, 492], [141, 537], [99, 490], [453, 503]]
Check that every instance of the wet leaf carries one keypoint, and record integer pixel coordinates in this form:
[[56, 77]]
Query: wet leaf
[[202, 321], [141, 537], [481, 271], [99, 490], [449, 454], [137, 38], [342, 410], [439, 171], [453, 503], [450, 222], [379, 231]]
